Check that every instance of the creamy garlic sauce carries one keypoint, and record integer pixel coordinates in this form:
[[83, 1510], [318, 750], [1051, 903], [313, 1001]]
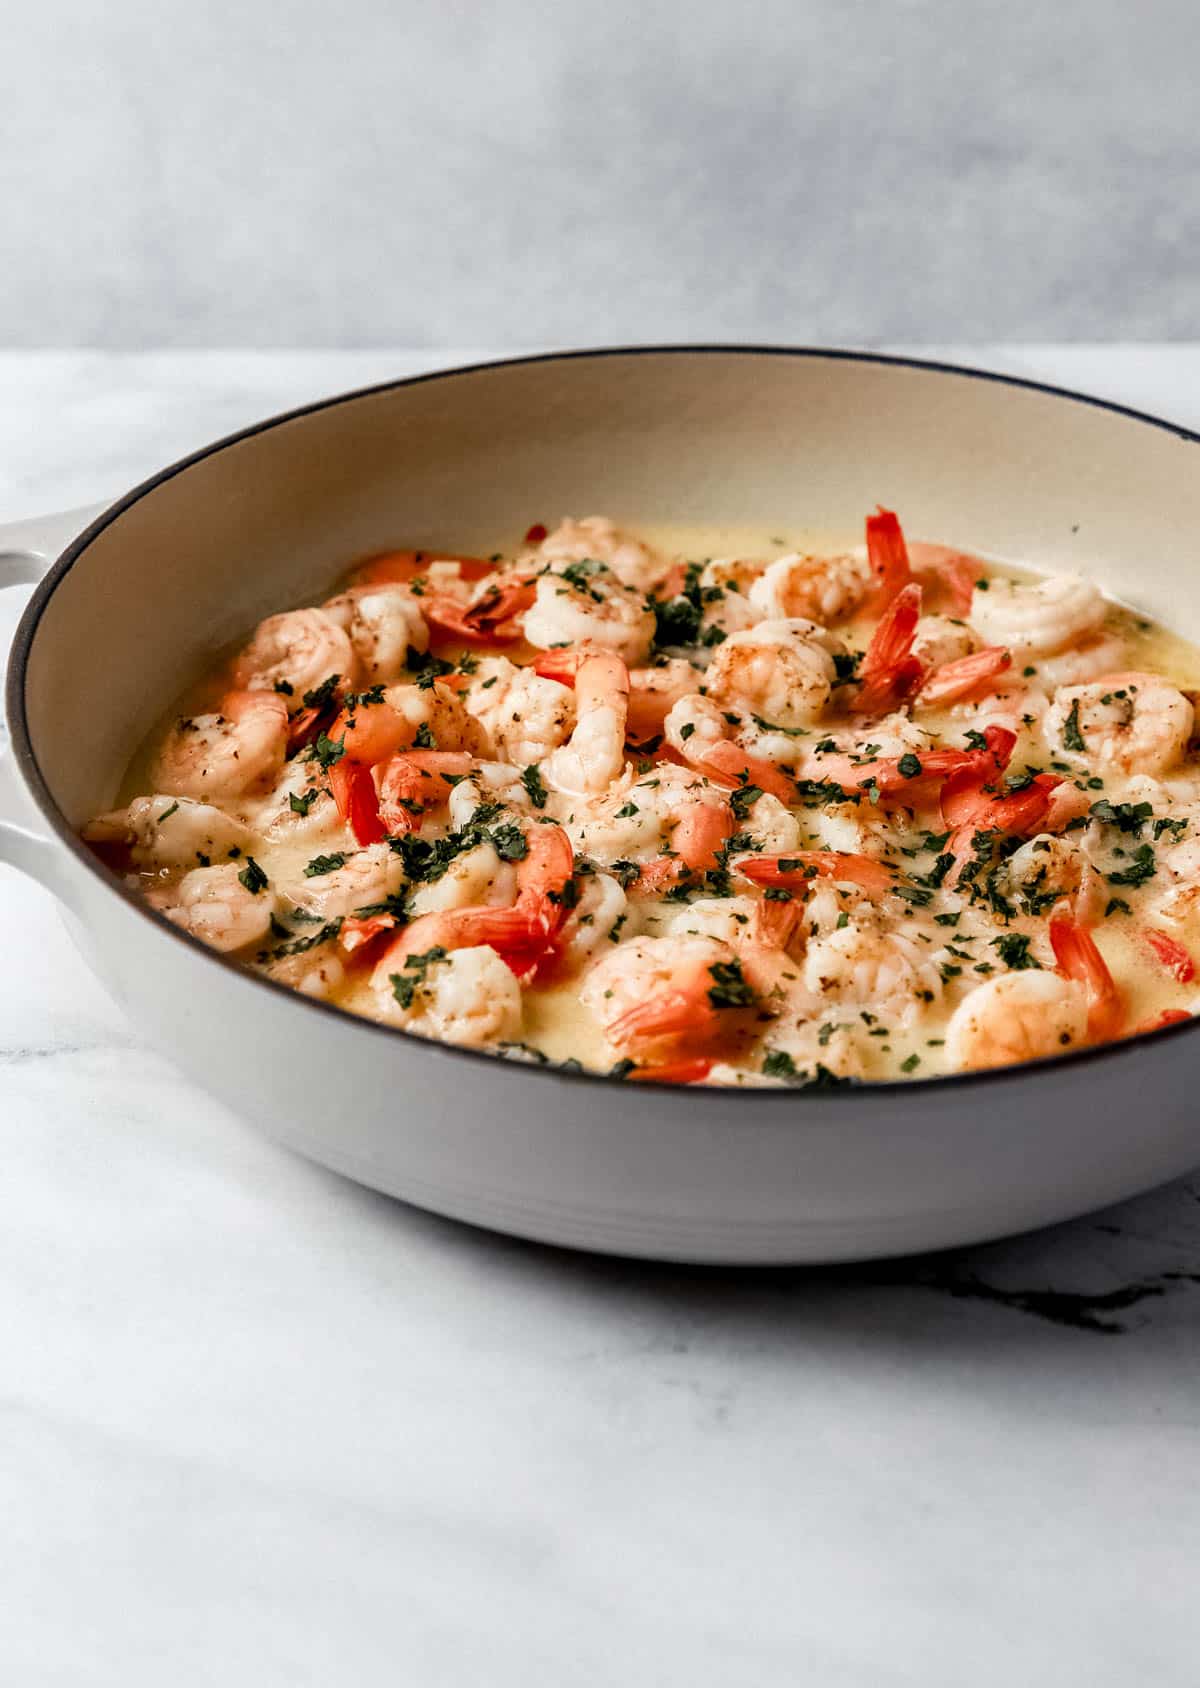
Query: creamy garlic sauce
[[556, 1024]]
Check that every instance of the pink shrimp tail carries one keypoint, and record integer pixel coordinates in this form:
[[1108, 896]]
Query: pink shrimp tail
[[798, 868], [728, 765], [1078, 958], [888, 555], [953, 681], [675, 1014], [890, 672], [416, 780]]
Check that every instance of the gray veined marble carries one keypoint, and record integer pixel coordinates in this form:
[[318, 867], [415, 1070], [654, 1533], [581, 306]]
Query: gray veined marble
[[261, 1427]]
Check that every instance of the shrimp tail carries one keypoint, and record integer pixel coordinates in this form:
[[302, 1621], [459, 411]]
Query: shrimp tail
[[726, 764], [890, 672], [1080, 959], [416, 780], [954, 681], [798, 869], [887, 554], [683, 1015]]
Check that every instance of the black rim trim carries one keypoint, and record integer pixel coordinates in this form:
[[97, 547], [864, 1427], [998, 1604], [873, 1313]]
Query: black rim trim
[[27, 761]]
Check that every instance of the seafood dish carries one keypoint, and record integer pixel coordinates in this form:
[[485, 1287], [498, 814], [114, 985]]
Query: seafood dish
[[716, 807]]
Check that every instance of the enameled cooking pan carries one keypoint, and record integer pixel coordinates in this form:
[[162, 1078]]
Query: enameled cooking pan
[[134, 607]]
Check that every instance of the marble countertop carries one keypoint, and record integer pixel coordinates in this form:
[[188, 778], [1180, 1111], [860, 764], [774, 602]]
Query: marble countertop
[[259, 1426]]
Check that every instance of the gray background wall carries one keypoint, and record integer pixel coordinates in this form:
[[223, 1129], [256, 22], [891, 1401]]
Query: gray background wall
[[343, 172]]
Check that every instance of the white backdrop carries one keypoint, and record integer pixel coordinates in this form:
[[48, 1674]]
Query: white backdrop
[[257, 172]]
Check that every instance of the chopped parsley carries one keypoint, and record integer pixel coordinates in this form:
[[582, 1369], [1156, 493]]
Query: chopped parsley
[[1013, 950], [532, 780], [324, 695], [321, 865], [676, 621], [426, 668], [404, 985], [326, 751], [1141, 868], [1072, 737], [301, 946], [253, 877], [743, 800], [1166, 824], [423, 738], [909, 766], [578, 575], [301, 805], [778, 1064], [167, 813], [1128, 817], [729, 988]]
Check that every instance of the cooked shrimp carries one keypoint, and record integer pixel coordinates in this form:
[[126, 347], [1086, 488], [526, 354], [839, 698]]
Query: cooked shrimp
[[476, 878], [799, 872], [940, 639], [434, 712], [1044, 869], [633, 821], [757, 932], [587, 604], [300, 650], [733, 575], [820, 589], [724, 601], [165, 831], [338, 884], [226, 906], [694, 725], [490, 782], [696, 835], [1180, 863], [465, 996], [780, 670], [656, 995], [227, 754], [768, 823], [1102, 654], [594, 755], [309, 964], [523, 935], [383, 623], [1017, 1017], [595, 538], [816, 1045], [523, 716], [867, 968], [411, 785], [1035, 618], [653, 693], [299, 808], [1133, 722], [601, 916], [432, 717]]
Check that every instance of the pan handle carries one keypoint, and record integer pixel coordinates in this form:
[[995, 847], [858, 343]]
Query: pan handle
[[27, 549]]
